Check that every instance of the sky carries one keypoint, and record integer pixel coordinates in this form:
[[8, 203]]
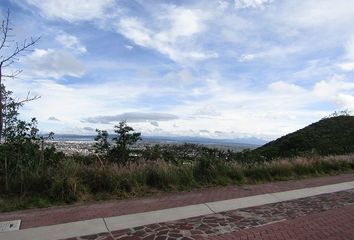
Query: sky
[[206, 68]]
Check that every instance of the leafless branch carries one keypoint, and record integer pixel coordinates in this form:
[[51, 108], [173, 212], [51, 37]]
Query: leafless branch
[[28, 98], [18, 50], [14, 74], [9, 63], [5, 29]]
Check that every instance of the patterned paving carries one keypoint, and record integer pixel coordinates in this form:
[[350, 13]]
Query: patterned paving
[[231, 221], [334, 224]]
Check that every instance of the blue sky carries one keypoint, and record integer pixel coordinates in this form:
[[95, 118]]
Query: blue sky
[[212, 68]]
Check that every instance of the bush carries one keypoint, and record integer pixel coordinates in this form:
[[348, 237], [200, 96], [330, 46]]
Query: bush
[[100, 180], [205, 170], [65, 189], [161, 176], [257, 174], [66, 183], [74, 179], [236, 175], [186, 177]]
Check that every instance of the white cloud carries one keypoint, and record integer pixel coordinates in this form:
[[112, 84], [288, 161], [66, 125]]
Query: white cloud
[[346, 66], [222, 5], [345, 101], [53, 63], [348, 63], [325, 14], [247, 57], [179, 76], [71, 42], [133, 29], [72, 103], [272, 52], [332, 87], [183, 23], [173, 38], [235, 112], [285, 88], [132, 117], [349, 47], [251, 3], [72, 10], [208, 111]]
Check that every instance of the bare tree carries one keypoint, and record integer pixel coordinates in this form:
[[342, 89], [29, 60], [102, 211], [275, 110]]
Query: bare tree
[[10, 51]]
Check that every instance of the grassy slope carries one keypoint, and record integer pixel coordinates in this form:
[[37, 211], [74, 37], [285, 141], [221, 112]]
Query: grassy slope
[[78, 183], [328, 136]]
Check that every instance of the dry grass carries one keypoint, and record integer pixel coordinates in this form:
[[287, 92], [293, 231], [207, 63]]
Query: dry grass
[[74, 181]]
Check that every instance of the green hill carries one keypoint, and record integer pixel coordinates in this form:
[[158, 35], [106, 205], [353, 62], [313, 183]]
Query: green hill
[[328, 136]]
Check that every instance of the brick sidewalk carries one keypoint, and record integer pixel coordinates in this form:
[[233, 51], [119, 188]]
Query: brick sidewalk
[[335, 224], [231, 221], [57, 215], [323, 215]]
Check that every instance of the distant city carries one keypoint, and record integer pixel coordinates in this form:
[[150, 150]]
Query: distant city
[[83, 144]]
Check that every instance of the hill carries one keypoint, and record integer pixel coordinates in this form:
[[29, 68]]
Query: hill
[[328, 136]]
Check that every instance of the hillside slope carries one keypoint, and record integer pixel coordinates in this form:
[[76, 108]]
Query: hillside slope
[[333, 135]]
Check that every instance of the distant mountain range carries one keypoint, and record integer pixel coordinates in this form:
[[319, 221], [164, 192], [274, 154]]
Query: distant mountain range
[[244, 142]]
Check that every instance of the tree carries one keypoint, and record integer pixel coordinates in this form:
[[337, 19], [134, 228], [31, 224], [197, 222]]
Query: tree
[[10, 51], [344, 112], [102, 144], [125, 137], [119, 150], [23, 149]]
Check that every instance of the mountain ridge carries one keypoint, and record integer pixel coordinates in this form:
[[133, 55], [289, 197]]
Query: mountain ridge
[[334, 135]]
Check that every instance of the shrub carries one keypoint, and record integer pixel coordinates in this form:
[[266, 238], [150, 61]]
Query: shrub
[[186, 177], [257, 174], [205, 170], [66, 183], [160, 176], [65, 189], [236, 174]]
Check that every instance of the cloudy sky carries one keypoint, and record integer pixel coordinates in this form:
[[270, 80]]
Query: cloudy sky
[[213, 68]]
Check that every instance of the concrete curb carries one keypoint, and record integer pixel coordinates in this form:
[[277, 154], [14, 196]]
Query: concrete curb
[[165, 215]]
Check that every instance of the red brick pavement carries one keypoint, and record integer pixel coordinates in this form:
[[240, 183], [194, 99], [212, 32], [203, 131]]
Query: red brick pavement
[[335, 224], [77, 212]]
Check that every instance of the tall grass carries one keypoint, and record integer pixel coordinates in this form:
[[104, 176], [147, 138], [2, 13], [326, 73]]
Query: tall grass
[[73, 181]]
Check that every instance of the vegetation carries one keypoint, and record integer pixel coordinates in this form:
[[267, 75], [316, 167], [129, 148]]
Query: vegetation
[[329, 136], [71, 180], [22, 150]]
